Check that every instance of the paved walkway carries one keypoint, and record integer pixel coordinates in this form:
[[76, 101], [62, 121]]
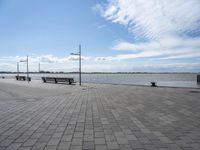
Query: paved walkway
[[40, 116]]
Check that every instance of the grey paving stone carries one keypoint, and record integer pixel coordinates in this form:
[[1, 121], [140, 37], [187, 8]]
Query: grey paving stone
[[99, 117], [100, 141], [24, 148], [101, 147], [64, 145], [125, 147], [14, 146], [39, 146], [112, 145], [99, 134], [6, 142], [75, 147], [110, 138], [50, 147], [88, 145], [89, 137], [77, 141], [78, 134], [67, 137], [44, 138], [53, 141], [122, 141], [57, 135], [30, 142]]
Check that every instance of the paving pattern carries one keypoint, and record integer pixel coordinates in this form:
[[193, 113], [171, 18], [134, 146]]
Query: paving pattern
[[101, 117]]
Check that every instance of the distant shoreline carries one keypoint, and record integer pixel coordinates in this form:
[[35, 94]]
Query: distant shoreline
[[48, 72]]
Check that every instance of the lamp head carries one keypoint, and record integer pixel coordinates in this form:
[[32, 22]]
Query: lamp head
[[74, 54]]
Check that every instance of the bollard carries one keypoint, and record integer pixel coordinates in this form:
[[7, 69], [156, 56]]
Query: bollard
[[153, 84], [198, 78]]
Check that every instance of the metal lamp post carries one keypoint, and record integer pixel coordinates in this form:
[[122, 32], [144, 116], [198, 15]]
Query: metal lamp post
[[17, 68], [27, 72], [79, 54], [39, 67]]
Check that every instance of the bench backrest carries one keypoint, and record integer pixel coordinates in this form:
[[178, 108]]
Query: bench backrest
[[57, 79]]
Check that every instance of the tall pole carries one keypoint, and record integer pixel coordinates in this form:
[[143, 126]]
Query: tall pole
[[17, 68], [27, 70], [80, 65], [39, 68]]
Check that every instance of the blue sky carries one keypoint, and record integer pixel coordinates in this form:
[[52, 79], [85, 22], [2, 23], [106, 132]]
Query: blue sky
[[115, 35]]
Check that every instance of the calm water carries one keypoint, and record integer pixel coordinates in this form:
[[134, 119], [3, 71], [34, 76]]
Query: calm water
[[175, 80]]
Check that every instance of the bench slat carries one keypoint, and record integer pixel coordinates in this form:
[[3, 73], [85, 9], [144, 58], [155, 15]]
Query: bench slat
[[58, 79], [24, 78]]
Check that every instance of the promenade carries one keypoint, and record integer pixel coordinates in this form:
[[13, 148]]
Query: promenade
[[38, 116]]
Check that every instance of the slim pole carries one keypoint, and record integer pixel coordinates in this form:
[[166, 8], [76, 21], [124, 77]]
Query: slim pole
[[27, 70], [17, 68], [80, 65], [39, 68]]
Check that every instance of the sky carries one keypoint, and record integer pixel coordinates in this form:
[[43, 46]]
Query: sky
[[115, 35]]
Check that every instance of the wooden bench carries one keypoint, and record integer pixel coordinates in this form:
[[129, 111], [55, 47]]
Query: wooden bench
[[22, 78], [153, 84], [58, 80]]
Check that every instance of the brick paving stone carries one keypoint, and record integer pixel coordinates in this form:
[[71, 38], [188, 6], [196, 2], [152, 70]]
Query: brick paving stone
[[14, 146], [99, 134], [57, 135], [39, 146], [53, 141], [66, 137], [101, 147], [76, 147], [78, 134], [50, 147], [64, 145], [44, 138], [136, 145], [88, 145], [125, 147], [77, 141], [97, 117], [110, 138], [30, 142], [112, 145], [88, 137], [100, 141]]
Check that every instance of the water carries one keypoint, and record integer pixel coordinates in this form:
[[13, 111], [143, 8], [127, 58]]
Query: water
[[173, 80]]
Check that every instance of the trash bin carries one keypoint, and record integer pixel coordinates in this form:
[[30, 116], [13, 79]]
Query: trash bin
[[29, 78]]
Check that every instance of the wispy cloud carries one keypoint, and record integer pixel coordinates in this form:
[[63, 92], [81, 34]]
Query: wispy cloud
[[153, 18], [171, 47], [166, 25], [49, 58], [55, 63]]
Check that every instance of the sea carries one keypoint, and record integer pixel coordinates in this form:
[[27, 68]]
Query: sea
[[161, 79]]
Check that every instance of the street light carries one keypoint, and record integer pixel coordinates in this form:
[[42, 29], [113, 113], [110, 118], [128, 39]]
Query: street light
[[26, 67], [39, 67], [17, 68], [79, 54]]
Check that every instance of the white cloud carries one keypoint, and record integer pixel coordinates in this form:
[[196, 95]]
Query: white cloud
[[170, 47], [164, 23], [48, 62], [109, 58], [95, 64], [153, 18]]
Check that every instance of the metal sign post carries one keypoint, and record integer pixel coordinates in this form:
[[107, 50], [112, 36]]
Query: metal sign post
[[79, 54]]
